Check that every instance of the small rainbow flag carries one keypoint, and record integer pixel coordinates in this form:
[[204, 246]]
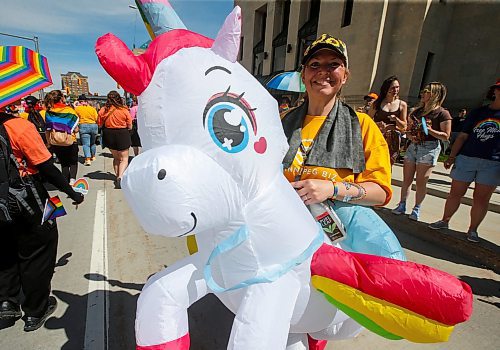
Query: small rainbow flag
[[81, 185], [53, 209], [22, 71]]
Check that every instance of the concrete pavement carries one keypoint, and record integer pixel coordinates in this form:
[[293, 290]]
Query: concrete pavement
[[486, 252]]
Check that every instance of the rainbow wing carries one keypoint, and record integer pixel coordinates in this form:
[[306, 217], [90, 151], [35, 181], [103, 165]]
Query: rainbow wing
[[395, 299]]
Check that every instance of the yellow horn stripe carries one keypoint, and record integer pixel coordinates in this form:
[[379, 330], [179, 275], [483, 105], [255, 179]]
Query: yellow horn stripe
[[391, 317]]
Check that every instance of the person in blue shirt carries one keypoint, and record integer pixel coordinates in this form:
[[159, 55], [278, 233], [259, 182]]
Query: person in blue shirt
[[475, 156]]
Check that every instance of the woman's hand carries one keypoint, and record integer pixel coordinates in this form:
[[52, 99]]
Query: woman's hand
[[313, 191], [382, 126], [449, 162]]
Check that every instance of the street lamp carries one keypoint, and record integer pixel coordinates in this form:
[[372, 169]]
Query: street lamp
[[37, 49], [135, 22]]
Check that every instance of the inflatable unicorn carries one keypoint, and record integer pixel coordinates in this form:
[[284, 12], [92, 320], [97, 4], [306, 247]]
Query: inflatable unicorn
[[213, 146]]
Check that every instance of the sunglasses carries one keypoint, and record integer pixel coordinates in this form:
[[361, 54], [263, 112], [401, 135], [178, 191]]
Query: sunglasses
[[425, 91], [316, 66]]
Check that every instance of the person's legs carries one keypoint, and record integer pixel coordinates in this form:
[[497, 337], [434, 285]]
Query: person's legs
[[408, 175], [480, 200], [10, 283], [424, 171], [73, 158], [116, 160], [123, 162], [457, 191], [37, 253], [93, 136], [85, 139]]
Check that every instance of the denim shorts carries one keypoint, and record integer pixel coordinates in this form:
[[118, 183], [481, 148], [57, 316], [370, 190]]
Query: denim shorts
[[482, 171], [424, 153]]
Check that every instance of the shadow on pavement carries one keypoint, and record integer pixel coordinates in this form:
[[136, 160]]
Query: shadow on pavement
[[483, 286], [63, 260], [99, 175], [210, 321], [411, 234]]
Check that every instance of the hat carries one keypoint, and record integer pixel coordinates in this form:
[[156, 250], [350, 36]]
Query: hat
[[326, 41], [372, 95], [496, 85], [82, 98], [31, 100]]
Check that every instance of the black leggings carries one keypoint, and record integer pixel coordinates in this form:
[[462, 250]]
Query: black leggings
[[68, 157], [27, 259]]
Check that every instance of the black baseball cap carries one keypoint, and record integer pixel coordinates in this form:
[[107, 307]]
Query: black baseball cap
[[326, 41]]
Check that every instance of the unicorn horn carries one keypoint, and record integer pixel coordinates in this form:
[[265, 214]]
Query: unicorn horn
[[158, 16]]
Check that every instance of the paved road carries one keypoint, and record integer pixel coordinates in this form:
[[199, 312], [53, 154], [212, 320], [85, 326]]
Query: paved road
[[104, 259]]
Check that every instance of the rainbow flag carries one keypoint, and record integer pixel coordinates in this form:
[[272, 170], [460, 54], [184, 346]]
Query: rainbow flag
[[53, 209], [22, 71], [61, 119]]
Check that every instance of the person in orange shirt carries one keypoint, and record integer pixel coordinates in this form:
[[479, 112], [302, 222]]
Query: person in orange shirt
[[116, 123], [29, 247]]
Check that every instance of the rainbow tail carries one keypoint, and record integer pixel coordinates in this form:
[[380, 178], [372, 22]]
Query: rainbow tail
[[395, 299]]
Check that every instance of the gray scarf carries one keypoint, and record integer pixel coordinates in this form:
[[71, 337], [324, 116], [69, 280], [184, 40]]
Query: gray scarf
[[338, 145]]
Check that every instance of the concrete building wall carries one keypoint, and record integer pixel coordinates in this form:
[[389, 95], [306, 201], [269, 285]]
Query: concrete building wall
[[388, 37]]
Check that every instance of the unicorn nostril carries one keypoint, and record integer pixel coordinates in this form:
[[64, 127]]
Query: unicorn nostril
[[161, 174]]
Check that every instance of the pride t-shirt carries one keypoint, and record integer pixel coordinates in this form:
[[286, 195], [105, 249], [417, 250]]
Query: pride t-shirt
[[378, 166], [483, 127]]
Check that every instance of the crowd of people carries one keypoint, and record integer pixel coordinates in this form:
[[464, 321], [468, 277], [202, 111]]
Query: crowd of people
[[38, 134], [336, 154]]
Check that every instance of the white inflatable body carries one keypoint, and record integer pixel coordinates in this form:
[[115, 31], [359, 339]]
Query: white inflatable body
[[213, 146]]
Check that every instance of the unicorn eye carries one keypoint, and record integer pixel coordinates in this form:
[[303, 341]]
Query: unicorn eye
[[225, 117], [161, 174]]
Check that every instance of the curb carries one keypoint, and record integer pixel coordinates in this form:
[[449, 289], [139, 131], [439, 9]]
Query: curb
[[493, 207], [484, 252]]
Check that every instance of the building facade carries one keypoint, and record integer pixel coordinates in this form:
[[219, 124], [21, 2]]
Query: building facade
[[455, 42], [75, 84]]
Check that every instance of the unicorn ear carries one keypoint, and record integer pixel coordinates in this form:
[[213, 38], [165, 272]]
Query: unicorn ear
[[227, 43]]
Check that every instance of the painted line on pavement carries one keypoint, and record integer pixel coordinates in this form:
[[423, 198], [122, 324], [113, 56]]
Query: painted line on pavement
[[97, 320]]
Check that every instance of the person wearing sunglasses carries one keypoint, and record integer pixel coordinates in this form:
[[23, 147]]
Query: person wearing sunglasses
[[428, 124], [475, 156], [389, 112]]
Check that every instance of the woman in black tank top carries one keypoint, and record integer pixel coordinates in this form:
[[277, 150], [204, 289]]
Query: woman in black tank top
[[389, 112]]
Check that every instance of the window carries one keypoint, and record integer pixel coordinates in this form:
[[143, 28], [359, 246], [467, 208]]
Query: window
[[427, 70], [308, 32], [347, 16], [280, 42], [259, 36]]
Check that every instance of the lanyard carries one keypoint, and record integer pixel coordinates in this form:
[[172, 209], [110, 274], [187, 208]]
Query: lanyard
[[271, 274]]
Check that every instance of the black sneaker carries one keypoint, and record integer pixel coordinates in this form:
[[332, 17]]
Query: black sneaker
[[33, 323], [9, 310]]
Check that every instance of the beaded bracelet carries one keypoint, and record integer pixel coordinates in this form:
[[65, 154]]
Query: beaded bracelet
[[335, 190]]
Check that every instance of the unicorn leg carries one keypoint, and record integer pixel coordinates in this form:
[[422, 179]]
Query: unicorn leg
[[263, 318], [161, 320]]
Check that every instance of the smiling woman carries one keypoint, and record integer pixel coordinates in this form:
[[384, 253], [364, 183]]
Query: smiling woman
[[339, 154]]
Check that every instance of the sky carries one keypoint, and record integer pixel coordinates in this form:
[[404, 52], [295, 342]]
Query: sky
[[68, 29]]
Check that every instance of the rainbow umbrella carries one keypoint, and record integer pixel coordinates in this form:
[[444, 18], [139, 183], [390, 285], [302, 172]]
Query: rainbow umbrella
[[22, 71], [288, 81]]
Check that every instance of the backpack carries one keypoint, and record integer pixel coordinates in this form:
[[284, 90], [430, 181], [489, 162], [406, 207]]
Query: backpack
[[15, 192]]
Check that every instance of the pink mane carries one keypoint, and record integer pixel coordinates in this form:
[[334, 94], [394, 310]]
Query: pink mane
[[134, 73]]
